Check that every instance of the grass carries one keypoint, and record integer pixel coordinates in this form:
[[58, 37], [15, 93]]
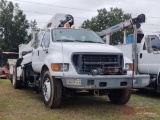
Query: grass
[[27, 105]]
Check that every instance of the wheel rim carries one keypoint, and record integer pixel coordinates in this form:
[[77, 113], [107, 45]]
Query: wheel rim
[[47, 89]]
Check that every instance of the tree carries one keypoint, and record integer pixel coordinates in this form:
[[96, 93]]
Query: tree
[[15, 25], [106, 19], [33, 25]]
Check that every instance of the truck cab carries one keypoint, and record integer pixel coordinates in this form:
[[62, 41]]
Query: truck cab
[[148, 61], [66, 45]]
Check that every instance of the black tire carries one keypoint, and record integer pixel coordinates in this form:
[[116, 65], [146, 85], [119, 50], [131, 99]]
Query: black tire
[[24, 79], [10, 78], [53, 100], [16, 83], [120, 96]]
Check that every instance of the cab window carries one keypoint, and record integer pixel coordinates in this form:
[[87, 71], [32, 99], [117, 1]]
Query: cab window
[[46, 39], [40, 35], [155, 41]]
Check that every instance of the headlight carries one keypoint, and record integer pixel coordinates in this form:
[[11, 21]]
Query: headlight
[[129, 66], [60, 67]]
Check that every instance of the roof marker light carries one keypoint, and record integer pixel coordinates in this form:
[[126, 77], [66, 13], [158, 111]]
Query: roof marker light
[[49, 25]]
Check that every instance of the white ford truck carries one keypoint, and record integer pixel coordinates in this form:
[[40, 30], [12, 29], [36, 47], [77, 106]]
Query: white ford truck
[[148, 56], [61, 59]]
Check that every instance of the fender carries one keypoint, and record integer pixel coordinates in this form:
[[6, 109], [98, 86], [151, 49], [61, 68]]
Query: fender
[[53, 58], [19, 61], [126, 60]]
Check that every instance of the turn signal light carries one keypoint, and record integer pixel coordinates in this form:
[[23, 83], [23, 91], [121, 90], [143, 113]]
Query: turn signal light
[[68, 25], [132, 67], [55, 67], [129, 66]]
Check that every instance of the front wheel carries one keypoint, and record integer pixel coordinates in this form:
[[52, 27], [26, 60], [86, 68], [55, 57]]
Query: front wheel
[[120, 96], [16, 83], [52, 91], [11, 78]]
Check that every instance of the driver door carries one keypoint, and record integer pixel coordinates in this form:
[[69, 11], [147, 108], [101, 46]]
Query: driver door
[[41, 52], [150, 62]]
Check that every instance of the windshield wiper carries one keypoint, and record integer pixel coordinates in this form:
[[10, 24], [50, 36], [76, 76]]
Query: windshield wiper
[[78, 40], [64, 40], [88, 41]]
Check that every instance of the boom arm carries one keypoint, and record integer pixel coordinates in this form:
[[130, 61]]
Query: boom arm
[[128, 23]]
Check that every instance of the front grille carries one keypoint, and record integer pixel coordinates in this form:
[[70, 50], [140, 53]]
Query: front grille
[[85, 63]]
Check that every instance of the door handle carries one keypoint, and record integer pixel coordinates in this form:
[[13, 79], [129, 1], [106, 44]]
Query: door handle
[[140, 56]]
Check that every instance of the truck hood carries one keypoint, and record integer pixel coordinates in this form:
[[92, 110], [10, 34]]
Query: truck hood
[[89, 47]]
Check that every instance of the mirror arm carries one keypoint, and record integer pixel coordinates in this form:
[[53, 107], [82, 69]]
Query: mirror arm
[[34, 40]]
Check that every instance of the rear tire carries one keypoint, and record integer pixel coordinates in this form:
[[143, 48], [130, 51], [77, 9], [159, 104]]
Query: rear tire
[[16, 83], [120, 96], [52, 91], [24, 78]]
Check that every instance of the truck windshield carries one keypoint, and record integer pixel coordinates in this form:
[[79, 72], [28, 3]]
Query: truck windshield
[[75, 35]]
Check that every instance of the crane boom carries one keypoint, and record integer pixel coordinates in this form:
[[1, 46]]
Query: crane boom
[[126, 24], [60, 20]]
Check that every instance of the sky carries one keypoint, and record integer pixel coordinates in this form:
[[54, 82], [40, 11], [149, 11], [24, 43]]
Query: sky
[[43, 10]]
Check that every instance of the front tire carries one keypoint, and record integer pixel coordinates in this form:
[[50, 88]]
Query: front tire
[[16, 83], [11, 78], [52, 91], [120, 96]]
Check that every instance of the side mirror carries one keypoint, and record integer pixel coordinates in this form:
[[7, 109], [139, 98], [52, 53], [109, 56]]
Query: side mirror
[[34, 39], [104, 39], [148, 44], [139, 37]]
